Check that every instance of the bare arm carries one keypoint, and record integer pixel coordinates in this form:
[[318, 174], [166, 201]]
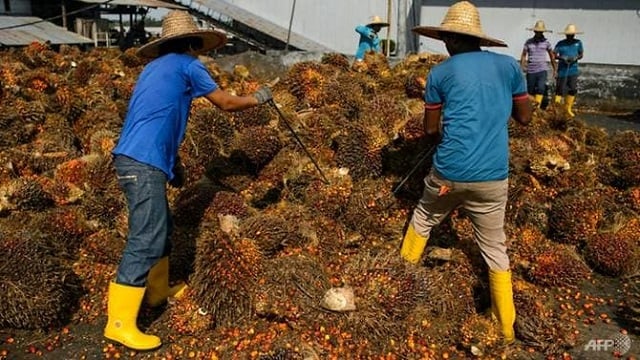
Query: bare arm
[[523, 59], [521, 110], [228, 102], [432, 122], [552, 58]]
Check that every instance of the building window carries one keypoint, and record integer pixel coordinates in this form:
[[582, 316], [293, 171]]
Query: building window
[[7, 5]]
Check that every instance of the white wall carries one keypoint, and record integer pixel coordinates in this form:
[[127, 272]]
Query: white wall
[[610, 36]]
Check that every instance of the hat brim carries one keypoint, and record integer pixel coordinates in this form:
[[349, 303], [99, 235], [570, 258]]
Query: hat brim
[[539, 30], [211, 40], [572, 33], [435, 32], [381, 24]]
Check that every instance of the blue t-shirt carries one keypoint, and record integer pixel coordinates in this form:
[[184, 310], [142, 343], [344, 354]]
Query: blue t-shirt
[[159, 108], [476, 90], [568, 49], [369, 41]]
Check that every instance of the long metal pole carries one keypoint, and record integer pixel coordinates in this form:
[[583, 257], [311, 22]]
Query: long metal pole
[[293, 9], [388, 47]]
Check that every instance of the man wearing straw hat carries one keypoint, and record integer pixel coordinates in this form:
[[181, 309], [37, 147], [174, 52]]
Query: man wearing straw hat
[[369, 39], [537, 50], [475, 92], [568, 52], [145, 159]]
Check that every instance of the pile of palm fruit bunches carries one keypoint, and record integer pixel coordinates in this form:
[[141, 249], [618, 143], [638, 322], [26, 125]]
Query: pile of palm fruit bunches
[[262, 238]]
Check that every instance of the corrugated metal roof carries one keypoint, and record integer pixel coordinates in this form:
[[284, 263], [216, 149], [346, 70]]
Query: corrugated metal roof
[[20, 33], [147, 3], [255, 21]]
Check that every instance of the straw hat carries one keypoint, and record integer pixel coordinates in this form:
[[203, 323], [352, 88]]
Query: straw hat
[[461, 18], [539, 27], [177, 25], [377, 20], [571, 29]]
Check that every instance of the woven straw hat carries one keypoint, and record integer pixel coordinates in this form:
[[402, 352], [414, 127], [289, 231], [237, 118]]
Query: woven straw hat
[[539, 27], [571, 29], [461, 18], [377, 20], [177, 25]]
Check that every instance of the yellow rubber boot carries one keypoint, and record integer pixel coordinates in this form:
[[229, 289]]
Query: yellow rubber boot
[[568, 102], [412, 245], [538, 100], [557, 99], [122, 310], [158, 290], [502, 302]]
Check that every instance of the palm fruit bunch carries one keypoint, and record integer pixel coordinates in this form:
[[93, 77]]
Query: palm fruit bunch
[[225, 273], [258, 145], [558, 265], [290, 287], [574, 216], [34, 279], [306, 80], [624, 168], [269, 233], [615, 252], [537, 325]]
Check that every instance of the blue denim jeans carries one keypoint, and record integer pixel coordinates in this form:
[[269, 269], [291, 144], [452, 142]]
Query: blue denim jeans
[[536, 83], [150, 221]]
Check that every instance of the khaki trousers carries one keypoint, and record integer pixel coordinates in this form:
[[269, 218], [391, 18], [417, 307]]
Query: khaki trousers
[[485, 203]]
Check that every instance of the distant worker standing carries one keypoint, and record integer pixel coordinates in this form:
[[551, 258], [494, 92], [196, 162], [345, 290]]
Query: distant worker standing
[[369, 39], [537, 50], [568, 52], [469, 100]]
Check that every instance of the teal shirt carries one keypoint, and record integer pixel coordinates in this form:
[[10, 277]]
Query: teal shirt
[[369, 41], [476, 92], [568, 49]]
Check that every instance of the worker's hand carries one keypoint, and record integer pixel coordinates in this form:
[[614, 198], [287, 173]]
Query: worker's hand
[[263, 95], [179, 175]]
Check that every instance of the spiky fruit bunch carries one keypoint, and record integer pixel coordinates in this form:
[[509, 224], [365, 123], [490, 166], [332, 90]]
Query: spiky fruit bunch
[[269, 233], [386, 289], [559, 265], [414, 86], [226, 269], [25, 193], [36, 289], [290, 287], [255, 116], [227, 203], [537, 325], [63, 228], [258, 145], [306, 80], [627, 167], [337, 60], [345, 94], [527, 243], [617, 251], [385, 113], [574, 216], [610, 254], [377, 64], [354, 153]]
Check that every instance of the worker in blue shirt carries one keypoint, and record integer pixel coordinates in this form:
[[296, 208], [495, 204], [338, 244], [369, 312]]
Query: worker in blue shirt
[[369, 39], [146, 158], [568, 52], [469, 101]]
